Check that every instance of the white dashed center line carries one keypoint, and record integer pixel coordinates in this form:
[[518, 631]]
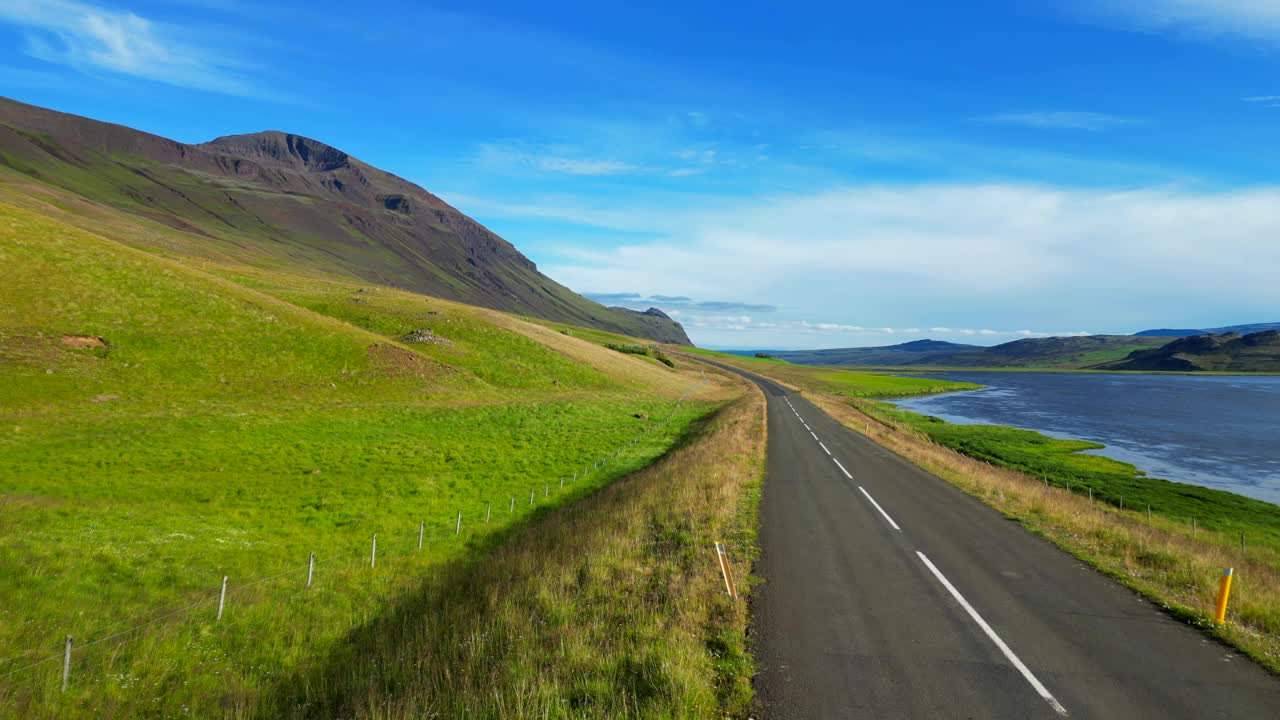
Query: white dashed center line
[[882, 512], [1008, 653]]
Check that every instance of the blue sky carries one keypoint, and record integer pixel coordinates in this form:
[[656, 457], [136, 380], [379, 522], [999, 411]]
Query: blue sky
[[778, 175]]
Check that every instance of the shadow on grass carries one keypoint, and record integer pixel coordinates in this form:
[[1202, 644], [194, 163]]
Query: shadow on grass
[[538, 619]]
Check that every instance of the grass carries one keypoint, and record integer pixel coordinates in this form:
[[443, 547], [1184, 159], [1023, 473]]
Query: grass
[[239, 419], [1162, 555], [1110, 481], [612, 607]]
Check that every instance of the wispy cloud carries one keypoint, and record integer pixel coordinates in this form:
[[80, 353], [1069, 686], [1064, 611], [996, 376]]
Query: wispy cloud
[[676, 303], [828, 332], [549, 160], [1058, 120], [1271, 101], [92, 38], [1204, 19]]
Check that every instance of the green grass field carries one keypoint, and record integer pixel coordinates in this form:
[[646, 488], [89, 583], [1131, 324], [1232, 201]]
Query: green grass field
[[237, 420]]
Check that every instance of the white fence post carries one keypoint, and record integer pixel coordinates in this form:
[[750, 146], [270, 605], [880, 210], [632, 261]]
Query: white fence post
[[222, 598], [458, 528], [373, 552], [66, 665], [513, 504], [311, 568], [422, 528], [487, 507]]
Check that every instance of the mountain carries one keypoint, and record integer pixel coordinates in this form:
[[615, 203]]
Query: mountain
[[282, 201], [902, 354], [1242, 329], [1226, 352], [1055, 352]]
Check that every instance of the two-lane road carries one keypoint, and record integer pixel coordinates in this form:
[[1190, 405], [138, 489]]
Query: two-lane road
[[888, 593]]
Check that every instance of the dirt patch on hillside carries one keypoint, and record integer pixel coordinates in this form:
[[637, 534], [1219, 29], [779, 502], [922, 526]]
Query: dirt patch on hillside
[[83, 342], [398, 362]]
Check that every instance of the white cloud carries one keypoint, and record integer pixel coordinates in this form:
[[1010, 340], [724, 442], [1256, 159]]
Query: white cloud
[[1058, 120], [92, 38], [1254, 19], [575, 166], [548, 160], [1022, 255]]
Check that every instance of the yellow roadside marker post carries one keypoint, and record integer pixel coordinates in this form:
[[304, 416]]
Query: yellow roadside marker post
[[726, 571], [1224, 591]]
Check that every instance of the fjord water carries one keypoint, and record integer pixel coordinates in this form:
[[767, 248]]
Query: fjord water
[[1217, 431]]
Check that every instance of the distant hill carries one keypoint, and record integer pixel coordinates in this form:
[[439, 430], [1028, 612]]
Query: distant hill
[[282, 201], [902, 354], [1052, 352], [1227, 352], [1242, 329]]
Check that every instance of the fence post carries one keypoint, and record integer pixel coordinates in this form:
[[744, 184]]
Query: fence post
[[562, 482], [66, 665], [575, 476], [531, 491], [546, 491], [487, 507], [373, 552], [1121, 502], [422, 529], [1193, 526], [458, 528], [311, 568], [222, 598], [1241, 542], [1090, 494], [513, 504], [1148, 513]]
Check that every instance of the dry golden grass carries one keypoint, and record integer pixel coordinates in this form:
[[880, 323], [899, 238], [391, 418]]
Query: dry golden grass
[[1161, 559], [628, 368], [609, 607]]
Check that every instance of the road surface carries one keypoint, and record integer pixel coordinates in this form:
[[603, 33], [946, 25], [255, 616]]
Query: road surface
[[888, 593]]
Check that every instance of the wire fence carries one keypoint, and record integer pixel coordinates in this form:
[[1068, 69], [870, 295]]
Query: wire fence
[[424, 534]]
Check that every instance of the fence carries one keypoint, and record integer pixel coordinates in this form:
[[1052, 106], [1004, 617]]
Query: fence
[[224, 592]]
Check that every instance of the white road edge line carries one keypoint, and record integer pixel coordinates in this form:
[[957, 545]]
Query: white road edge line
[[1026, 672], [882, 512], [824, 448], [846, 472], [815, 437]]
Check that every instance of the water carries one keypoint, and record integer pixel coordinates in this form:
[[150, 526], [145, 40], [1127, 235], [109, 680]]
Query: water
[[1217, 431]]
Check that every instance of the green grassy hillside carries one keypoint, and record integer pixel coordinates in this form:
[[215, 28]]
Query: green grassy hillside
[[1229, 352], [163, 425], [290, 203]]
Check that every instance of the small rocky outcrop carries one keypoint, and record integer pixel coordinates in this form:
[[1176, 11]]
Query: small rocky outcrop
[[425, 335]]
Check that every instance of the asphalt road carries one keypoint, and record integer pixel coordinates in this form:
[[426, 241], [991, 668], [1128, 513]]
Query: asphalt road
[[888, 593]]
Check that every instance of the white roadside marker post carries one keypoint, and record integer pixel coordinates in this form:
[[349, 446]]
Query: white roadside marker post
[[66, 665], [222, 598], [311, 568], [373, 552]]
